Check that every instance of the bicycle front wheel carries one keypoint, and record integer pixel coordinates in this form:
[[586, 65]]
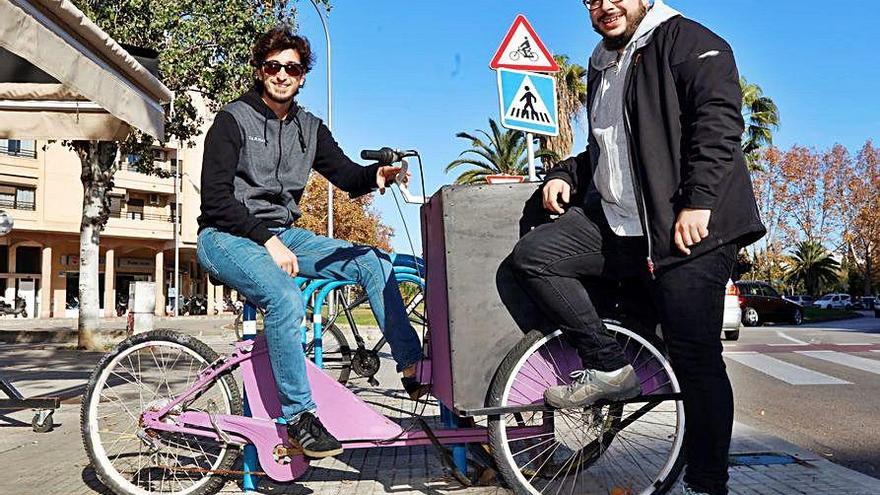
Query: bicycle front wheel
[[629, 448], [146, 372]]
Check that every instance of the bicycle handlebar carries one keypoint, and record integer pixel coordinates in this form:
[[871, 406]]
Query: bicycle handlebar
[[385, 156], [388, 156]]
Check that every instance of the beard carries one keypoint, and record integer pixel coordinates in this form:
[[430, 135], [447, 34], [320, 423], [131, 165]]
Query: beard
[[633, 19], [277, 97]]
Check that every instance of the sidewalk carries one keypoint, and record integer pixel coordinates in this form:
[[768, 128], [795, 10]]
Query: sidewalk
[[29, 457]]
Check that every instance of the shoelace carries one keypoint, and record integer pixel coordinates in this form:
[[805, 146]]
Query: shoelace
[[580, 376]]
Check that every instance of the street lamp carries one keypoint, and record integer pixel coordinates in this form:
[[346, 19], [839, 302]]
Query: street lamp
[[332, 295], [329, 112]]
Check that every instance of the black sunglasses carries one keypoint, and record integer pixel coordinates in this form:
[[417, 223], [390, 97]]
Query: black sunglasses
[[595, 4], [271, 67]]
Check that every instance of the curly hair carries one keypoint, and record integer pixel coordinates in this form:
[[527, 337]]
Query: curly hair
[[281, 38]]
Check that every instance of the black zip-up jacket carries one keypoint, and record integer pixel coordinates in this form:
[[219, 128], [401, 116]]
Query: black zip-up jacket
[[256, 166], [682, 115]]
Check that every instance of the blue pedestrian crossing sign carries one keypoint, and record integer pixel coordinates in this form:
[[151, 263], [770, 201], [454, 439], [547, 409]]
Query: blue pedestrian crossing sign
[[528, 102]]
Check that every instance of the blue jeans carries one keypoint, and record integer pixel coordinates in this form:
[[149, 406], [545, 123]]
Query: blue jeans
[[245, 265]]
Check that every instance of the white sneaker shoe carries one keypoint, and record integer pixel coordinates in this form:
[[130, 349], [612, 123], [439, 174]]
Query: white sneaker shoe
[[686, 490]]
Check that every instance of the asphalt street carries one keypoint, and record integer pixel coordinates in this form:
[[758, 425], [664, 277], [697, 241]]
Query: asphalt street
[[817, 386]]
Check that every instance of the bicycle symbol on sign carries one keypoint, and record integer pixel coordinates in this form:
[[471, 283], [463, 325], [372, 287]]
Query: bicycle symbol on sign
[[525, 51]]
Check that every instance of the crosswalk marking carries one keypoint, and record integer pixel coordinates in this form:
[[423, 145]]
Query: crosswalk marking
[[848, 360], [781, 370]]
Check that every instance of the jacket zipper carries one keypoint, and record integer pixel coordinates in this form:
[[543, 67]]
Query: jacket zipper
[[636, 177]]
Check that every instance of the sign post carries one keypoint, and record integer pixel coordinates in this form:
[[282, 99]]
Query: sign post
[[527, 96]]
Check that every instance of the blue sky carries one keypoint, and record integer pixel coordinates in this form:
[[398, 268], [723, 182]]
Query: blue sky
[[411, 74]]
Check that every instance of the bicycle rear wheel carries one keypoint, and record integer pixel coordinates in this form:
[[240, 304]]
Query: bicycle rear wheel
[[335, 352], [631, 448], [146, 372]]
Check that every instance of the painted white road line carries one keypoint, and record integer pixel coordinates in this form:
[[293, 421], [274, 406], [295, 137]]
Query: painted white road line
[[781, 370], [786, 337], [848, 360]]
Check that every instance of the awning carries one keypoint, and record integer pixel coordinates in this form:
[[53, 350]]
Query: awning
[[62, 77]]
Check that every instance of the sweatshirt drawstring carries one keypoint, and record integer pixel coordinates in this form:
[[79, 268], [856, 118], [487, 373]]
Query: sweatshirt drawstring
[[299, 131], [265, 126]]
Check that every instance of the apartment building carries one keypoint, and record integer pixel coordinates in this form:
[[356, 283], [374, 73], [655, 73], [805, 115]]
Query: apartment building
[[40, 188]]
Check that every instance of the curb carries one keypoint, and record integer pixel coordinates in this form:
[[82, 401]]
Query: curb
[[777, 444], [64, 331]]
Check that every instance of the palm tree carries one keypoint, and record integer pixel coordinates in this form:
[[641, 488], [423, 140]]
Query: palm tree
[[504, 153], [572, 95], [813, 265], [762, 119]]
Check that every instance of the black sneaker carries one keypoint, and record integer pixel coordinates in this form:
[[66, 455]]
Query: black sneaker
[[311, 436]]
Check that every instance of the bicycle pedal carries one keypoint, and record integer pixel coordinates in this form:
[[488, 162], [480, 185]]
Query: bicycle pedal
[[283, 454]]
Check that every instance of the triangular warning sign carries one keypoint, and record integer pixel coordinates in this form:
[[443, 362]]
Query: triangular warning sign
[[528, 106], [523, 50]]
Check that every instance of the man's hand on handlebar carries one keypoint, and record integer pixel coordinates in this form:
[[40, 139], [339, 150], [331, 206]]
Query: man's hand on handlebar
[[553, 190], [386, 175], [283, 257]]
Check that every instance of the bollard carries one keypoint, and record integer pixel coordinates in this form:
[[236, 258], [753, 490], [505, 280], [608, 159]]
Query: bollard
[[141, 306], [250, 463]]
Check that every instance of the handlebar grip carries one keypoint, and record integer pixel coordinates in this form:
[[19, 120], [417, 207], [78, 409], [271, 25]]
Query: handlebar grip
[[385, 155]]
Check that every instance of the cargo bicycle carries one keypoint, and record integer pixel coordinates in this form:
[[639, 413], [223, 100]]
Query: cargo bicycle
[[163, 412]]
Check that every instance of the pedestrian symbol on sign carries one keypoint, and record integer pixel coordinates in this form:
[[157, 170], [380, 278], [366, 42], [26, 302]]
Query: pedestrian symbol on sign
[[528, 102]]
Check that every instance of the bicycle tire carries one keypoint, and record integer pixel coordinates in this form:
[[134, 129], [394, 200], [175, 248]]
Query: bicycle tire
[[593, 471], [224, 389], [336, 354]]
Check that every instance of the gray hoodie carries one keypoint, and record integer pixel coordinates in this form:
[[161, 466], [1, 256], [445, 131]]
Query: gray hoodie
[[613, 174]]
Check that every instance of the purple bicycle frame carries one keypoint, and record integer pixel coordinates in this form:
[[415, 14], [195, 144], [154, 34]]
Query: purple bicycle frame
[[352, 421]]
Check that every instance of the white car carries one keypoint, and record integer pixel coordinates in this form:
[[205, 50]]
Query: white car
[[834, 301], [732, 312]]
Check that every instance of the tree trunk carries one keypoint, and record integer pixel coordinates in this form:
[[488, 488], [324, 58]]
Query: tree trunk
[[98, 160], [869, 286]]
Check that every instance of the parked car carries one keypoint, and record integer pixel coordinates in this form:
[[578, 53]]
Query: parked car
[[877, 307], [834, 301], [804, 300], [732, 312], [865, 302], [761, 303]]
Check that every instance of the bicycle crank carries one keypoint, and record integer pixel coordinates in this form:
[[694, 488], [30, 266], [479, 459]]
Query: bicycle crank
[[365, 363]]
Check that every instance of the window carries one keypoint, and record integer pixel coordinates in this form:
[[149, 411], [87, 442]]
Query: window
[[116, 206], [135, 209], [17, 147], [18, 197], [175, 208]]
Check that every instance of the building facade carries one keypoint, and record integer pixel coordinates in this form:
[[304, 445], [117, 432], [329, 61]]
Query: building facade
[[40, 188]]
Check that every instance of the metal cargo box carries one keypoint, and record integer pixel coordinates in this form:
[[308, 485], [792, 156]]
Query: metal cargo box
[[473, 305]]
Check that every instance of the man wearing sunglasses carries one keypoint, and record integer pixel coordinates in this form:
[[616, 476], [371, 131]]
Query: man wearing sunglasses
[[662, 193], [258, 155]]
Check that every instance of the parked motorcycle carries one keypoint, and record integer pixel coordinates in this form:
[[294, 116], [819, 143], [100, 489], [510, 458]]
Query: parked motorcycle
[[19, 309], [121, 306]]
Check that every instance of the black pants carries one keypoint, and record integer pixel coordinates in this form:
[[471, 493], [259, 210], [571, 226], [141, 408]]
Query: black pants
[[549, 263]]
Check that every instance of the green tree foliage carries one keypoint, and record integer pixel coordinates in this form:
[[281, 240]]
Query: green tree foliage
[[811, 265], [761, 118], [502, 152]]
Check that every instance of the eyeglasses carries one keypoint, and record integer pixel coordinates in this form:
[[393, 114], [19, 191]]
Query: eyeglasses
[[595, 4], [271, 67]]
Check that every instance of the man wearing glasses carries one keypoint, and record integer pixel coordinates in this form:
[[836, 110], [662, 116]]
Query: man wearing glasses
[[662, 193], [258, 155]]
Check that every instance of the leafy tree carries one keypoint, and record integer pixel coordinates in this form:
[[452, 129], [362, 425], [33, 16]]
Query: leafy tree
[[856, 201], [761, 118], [503, 152], [353, 220], [204, 48], [812, 265], [572, 102]]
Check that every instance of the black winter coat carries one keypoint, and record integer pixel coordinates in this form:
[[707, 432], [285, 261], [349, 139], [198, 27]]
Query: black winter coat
[[682, 105]]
